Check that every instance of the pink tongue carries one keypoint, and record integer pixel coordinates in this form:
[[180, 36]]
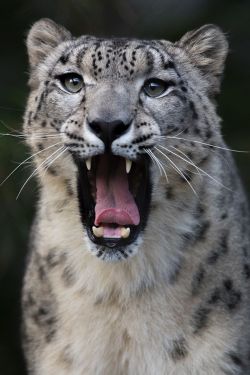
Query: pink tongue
[[114, 202]]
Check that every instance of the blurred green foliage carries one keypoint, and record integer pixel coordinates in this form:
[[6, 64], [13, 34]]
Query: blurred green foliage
[[141, 18]]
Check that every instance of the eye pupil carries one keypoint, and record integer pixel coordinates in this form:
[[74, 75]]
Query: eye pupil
[[154, 87], [72, 82]]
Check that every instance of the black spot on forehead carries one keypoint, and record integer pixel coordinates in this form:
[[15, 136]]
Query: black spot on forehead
[[122, 57], [64, 58], [119, 46]]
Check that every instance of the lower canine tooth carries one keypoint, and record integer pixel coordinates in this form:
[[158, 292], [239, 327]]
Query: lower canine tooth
[[128, 165], [125, 232], [98, 231]]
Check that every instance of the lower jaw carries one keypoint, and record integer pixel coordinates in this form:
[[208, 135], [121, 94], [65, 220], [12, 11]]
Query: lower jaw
[[116, 253], [112, 243]]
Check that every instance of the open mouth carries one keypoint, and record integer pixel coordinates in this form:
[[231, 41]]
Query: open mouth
[[114, 196]]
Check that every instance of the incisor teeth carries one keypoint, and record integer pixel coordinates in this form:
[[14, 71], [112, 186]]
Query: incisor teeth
[[125, 232], [128, 165], [88, 163], [98, 231]]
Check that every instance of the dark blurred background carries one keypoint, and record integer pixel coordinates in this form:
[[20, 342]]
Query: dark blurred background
[[141, 18]]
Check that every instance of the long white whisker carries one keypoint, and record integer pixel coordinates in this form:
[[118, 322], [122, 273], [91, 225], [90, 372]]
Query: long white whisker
[[44, 136], [178, 170], [57, 156], [21, 134], [177, 135], [158, 163], [12, 135], [200, 169], [205, 144], [36, 170], [186, 157], [154, 161], [160, 166], [9, 127], [191, 161], [24, 136], [11, 109], [24, 161]]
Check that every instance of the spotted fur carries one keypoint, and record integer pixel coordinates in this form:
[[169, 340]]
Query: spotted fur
[[176, 301]]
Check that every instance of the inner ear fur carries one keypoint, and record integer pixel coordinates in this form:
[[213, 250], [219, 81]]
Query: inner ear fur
[[207, 48], [42, 38]]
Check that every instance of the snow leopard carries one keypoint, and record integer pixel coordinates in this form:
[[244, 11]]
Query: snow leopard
[[139, 258]]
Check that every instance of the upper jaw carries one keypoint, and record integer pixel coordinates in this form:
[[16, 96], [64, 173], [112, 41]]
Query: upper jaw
[[128, 164]]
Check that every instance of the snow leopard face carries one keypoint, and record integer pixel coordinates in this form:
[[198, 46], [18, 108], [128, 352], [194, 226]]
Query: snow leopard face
[[124, 122]]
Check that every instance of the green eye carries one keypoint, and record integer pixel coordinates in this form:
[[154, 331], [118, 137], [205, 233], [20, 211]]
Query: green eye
[[72, 82], [155, 87]]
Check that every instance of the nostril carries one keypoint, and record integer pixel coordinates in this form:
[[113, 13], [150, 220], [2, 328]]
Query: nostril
[[108, 131], [119, 128], [96, 127]]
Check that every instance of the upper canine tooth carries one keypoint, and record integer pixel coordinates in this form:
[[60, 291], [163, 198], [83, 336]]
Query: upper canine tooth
[[125, 232], [98, 231], [128, 165], [88, 163]]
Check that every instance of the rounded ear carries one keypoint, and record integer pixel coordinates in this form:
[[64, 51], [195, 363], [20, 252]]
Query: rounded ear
[[207, 48], [43, 36]]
